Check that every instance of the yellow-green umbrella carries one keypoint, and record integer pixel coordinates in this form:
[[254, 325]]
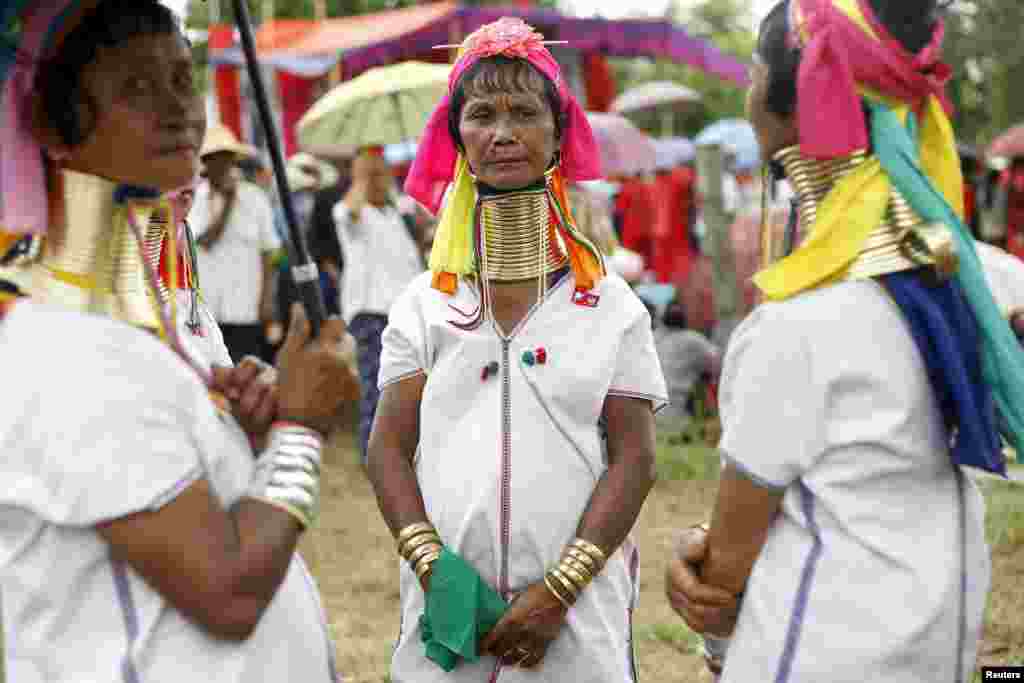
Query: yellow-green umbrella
[[383, 106]]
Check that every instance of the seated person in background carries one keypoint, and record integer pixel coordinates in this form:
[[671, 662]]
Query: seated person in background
[[686, 355]]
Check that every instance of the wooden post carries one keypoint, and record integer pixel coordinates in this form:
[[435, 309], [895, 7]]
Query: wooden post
[[718, 223]]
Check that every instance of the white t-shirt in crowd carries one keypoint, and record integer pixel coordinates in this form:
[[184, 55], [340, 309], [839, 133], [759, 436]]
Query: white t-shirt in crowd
[[876, 568], [381, 259], [99, 420], [231, 272]]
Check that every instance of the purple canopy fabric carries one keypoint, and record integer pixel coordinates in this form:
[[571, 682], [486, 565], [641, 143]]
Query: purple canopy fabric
[[624, 38]]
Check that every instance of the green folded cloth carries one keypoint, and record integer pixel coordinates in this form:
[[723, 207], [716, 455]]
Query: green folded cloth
[[461, 609]]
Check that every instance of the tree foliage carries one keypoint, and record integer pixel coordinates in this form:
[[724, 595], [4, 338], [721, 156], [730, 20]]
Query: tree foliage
[[984, 47]]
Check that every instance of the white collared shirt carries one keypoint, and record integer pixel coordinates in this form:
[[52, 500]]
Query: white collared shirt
[[231, 271], [381, 259]]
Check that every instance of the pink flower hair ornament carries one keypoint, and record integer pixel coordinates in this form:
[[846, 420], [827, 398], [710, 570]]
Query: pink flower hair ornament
[[509, 36]]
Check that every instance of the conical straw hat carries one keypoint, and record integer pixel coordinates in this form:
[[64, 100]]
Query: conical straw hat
[[219, 138]]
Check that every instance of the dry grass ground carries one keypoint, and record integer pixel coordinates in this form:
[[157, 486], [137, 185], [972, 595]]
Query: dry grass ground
[[356, 566]]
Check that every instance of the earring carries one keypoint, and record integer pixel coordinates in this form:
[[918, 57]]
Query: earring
[[56, 156]]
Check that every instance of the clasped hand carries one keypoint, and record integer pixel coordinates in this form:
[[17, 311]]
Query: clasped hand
[[704, 608], [312, 380], [529, 626]]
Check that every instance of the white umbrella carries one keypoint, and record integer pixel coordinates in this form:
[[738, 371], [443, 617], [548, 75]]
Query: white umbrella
[[653, 94], [664, 95]]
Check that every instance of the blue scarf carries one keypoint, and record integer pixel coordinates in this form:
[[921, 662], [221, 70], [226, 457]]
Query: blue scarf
[[974, 360]]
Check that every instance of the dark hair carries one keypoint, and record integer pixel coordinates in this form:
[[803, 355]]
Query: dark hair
[[911, 22], [674, 316], [501, 74], [112, 22]]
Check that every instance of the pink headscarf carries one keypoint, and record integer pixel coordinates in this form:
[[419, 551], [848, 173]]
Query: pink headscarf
[[838, 55], [23, 200], [433, 169]]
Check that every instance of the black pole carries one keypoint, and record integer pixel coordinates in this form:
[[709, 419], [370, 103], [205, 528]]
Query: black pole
[[304, 271]]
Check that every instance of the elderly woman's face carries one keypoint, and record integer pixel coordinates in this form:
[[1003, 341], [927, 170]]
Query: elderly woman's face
[[509, 137], [146, 121]]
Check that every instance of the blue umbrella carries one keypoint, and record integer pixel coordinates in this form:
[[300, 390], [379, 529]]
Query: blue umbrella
[[658, 295], [737, 136]]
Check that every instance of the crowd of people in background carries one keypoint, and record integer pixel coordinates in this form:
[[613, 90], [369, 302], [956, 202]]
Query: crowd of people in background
[[360, 227]]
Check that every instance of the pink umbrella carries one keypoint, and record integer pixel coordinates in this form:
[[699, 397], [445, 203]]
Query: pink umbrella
[[1009, 144], [625, 149]]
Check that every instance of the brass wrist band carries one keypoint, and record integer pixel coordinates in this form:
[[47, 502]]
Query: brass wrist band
[[583, 558], [417, 542], [577, 579], [419, 553], [570, 587], [592, 550], [426, 562], [412, 530], [412, 541], [569, 562], [554, 591]]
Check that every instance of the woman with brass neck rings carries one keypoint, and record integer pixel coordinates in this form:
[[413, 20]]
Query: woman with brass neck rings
[[514, 442], [846, 529], [145, 536]]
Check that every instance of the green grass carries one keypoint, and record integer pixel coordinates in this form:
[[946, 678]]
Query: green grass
[[689, 462], [675, 635], [1004, 516]]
